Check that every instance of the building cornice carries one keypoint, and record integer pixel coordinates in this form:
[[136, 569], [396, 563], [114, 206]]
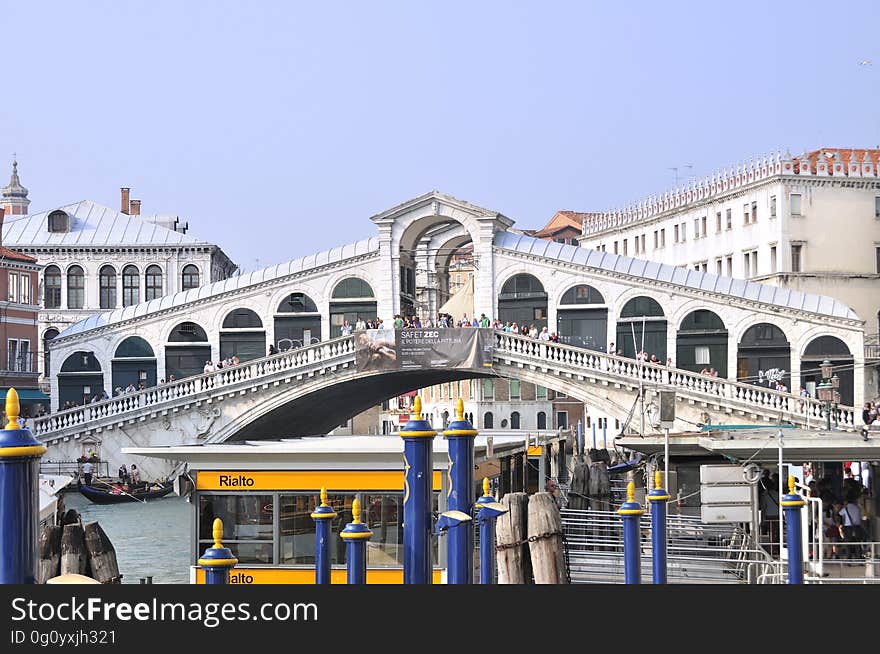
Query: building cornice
[[657, 209], [194, 305], [691, 293]]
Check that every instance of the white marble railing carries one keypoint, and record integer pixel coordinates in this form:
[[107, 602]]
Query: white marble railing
[[342, 350], [723, 389], [190, 387]]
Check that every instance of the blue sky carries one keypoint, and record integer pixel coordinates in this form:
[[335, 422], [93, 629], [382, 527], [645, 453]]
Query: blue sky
[[278, 128]]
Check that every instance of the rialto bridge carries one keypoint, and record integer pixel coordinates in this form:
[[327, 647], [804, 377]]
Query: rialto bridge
[[590, 298]]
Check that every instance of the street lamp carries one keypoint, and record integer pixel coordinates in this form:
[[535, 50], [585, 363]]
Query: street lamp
[[825, 390]]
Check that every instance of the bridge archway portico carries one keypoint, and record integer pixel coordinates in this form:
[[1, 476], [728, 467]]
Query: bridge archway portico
[[402, 227]]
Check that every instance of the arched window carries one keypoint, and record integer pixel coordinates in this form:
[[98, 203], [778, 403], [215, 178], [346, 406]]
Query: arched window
[[242, 319], [542, 420], [641, 312], [641, 306], [76, 288], [352, 287], [701, 343], [582, 294], [187, 332], [523, 286], [297, 303], [514, 420], [52, 287], [523, 301], [153, 283], [59, 222], [190, 277], [48, 336], [131, 286], [134, 346], [107, 286]]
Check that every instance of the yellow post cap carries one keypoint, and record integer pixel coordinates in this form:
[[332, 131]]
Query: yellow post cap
[[323, 496], [218, 533], [417, 408], [631, 492], [485, 485], [356, 511], [791, 484], [658, 479], [459, 409], [13, 409]]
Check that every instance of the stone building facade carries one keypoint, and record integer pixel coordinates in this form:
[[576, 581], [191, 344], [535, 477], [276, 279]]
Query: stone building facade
[[95, 258]]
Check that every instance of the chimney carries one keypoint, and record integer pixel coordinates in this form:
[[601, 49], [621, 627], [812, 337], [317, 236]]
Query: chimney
[[125, 203], [135, 207]]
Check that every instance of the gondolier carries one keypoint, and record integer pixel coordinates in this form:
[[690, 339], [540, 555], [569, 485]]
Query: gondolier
[[87, 470]]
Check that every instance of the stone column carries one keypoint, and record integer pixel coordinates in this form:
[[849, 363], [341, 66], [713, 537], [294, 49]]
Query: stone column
[[387, 300], [484, 272]]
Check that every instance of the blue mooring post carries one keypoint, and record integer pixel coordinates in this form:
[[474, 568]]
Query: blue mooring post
[[460, 497], [356, 534], [418, 448], [217, 560], [792, 504], [594, 435], [323, 516], [488, 512], [659, 535], [631, 512], [20, 456]]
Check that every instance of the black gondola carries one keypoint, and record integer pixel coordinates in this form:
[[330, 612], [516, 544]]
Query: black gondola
[[112, 494]]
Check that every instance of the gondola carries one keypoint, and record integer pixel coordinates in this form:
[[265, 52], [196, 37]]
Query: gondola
[[113, 494]]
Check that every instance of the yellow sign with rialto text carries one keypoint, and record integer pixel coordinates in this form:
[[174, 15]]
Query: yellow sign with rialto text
[[304, 480], [249, 576]]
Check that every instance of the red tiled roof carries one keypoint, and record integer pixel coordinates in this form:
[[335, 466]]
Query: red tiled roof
[[827, 155], [6, 253], [562, 220]]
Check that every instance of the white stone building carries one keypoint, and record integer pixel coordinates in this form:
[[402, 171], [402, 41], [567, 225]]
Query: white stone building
[[809, 223], [98, 259]]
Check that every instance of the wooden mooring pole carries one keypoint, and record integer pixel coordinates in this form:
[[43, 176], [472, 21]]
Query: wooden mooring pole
[[511, 531]]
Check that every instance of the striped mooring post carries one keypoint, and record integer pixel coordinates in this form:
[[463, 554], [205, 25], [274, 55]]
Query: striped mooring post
[[217, 560], [356, 534], [460, 497], [488, 512], [659, 529], [323, 516], [631, 512], [792, 504], [20, 456], [418, 448]]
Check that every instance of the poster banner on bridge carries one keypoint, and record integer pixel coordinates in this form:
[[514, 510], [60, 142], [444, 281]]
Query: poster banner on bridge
[[410, 349]]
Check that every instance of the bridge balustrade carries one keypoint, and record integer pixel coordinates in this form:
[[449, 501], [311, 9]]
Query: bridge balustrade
[[557, 356]]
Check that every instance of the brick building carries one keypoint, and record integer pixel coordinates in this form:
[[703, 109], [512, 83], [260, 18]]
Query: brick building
[[19, 307]]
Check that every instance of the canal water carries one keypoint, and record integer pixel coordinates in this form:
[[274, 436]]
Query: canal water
[[150, 538]]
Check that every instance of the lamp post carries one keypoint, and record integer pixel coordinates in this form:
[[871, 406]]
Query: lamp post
[[825, 390]]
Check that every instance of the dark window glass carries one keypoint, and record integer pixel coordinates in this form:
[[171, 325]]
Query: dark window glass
[[241, 319], [190, 277], [76, 288], [52, 287], [59, 221], [247, 525], [297, 303], [153, 283], [352, 287], [131, 286], [522, 285], [582, 294], [641, 306]]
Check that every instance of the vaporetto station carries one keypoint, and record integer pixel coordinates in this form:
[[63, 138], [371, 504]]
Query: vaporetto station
[[699, 320]]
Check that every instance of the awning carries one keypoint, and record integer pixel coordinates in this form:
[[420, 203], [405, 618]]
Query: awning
[[29, 394], [462, 303]]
